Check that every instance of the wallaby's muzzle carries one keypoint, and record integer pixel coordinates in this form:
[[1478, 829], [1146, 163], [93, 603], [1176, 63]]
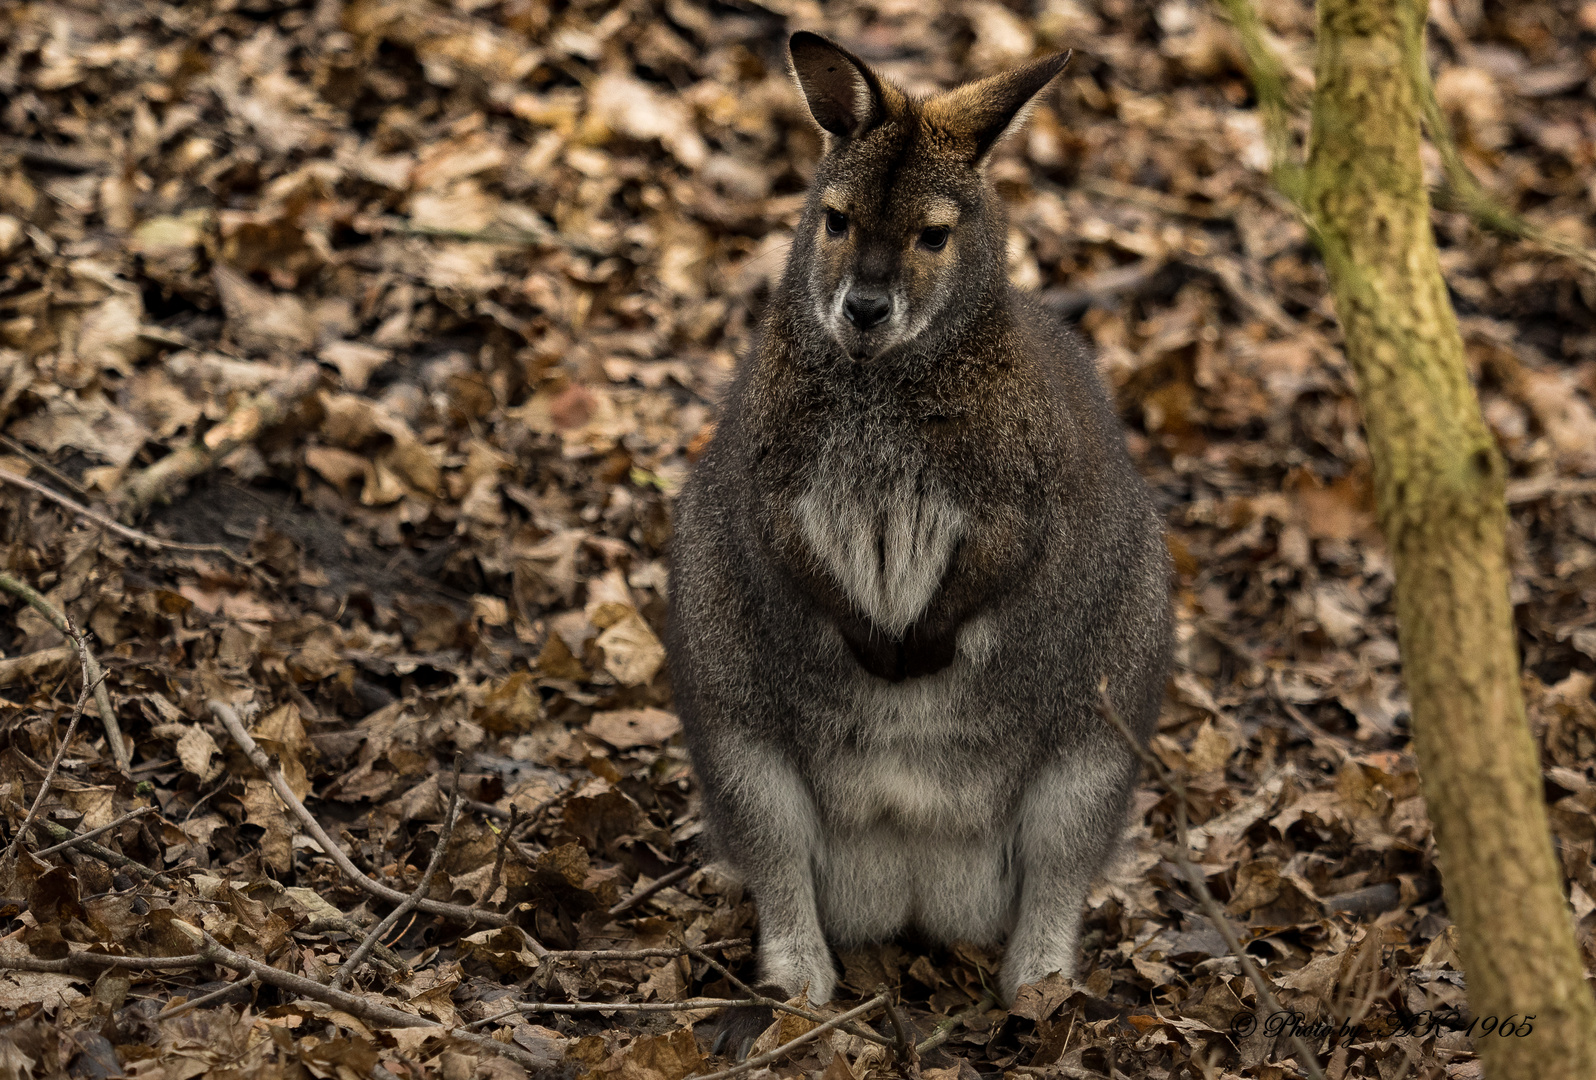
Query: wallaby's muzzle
[[867, 308]]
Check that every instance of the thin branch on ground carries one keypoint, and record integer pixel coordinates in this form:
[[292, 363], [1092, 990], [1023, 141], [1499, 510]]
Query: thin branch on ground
[[206, 999], [644, 954], [750, 997], [792, 1044], [126, 532], [42, 465], [355, 1005], [104, 854], [84, 837], [358, 957], [531, 820], [945, 1028], [77, 962], [1535, 488], [661, 882], [235, 727], [575, 1008], [49, 777], [499, 853], [38, 153], [242, 426], [1216, 914], [902, 1049], [697, 952], [92, 675], [343, 924], [488, 808]]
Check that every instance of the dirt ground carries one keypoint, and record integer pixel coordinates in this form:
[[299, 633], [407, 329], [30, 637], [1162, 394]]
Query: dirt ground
[[520, 246]]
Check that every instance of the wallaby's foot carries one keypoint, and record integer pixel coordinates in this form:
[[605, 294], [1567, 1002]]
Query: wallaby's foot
[[738, 1027], [1023, 966]]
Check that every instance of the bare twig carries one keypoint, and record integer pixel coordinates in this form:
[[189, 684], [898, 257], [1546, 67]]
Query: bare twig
[[1216, 914], [1539, 487], [489, 809], [661, 882], [92, 675], [343, 924], [49, 777], [241, 426], [205, 999], [57, 157], [106, 522], [646, 954], [792, 1044], [358, 957], [531, 820], [573, 1008], [104, 854], [697, 952], [353, 1004], [84, 837], [229, 718], [498, 855], [71, 965], [42, 465], [902, 1049], [945, 1028], [750, 996]]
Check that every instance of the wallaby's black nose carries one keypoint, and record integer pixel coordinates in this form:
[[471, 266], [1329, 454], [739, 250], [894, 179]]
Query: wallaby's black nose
[[865, 308]]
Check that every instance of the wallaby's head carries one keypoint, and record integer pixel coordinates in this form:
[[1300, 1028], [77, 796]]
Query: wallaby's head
[[902, 229]]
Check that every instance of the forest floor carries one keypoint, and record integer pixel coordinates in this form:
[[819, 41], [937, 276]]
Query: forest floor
[[450, 291]]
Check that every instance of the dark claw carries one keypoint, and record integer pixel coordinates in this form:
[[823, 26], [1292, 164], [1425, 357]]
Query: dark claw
[[738, 1028]]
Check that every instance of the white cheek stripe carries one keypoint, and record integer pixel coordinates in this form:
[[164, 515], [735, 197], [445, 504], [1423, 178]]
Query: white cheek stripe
[[839, 312]]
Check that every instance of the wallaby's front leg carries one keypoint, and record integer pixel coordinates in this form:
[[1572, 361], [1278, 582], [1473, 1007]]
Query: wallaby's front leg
[[766, 823], [1070, 819]]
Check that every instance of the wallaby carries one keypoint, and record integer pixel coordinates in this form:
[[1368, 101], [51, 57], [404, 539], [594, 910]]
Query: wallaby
[[911, 555]]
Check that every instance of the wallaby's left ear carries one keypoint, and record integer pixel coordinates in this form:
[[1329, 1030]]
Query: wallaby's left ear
[[845, 97], [982, 113]]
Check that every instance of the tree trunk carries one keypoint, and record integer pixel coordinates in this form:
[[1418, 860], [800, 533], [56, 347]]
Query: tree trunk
[[1439, 482]]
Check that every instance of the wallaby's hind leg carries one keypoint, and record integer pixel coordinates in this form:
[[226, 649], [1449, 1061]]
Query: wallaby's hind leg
[[765, 823], [1070, 819]]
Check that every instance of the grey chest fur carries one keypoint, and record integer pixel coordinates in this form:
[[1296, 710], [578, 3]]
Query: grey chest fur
[[884, 532]]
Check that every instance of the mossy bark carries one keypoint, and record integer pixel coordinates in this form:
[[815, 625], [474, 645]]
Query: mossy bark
[[1439, 482]]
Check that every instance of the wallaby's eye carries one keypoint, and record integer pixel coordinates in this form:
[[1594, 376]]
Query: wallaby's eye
[[836, 223], [935, 238]]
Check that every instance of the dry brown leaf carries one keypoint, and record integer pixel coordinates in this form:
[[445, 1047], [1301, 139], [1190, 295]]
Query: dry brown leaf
[[626, 728]]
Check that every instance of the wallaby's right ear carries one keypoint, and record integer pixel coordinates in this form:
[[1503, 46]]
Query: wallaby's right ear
[[845, 97]]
